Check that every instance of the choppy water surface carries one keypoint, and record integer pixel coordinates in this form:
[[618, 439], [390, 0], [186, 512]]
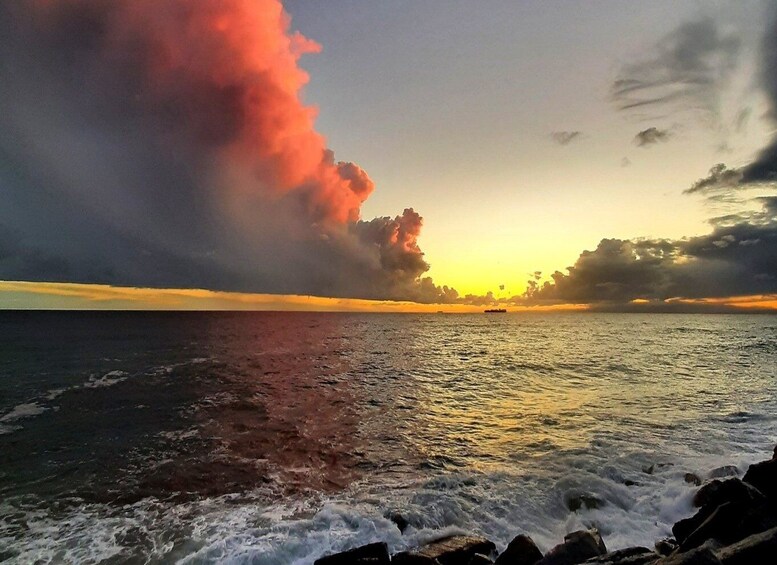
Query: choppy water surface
[[277, 437]]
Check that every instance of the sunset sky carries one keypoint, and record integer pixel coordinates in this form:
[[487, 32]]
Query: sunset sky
[[189, 147]]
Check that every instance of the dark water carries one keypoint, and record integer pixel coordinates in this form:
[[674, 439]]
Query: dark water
[[275, 437]]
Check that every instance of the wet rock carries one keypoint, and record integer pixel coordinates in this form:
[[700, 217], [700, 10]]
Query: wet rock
[[399, 520], [452, 550], [719, 492], [724, 471], [480, 559], [372, 554], [587, 501], [628, 556], [521, 551], [763, 476], [666, 546], [409, 558], [693, 479], [577, 547], [652, 468], [704, 555], [729, 523], [758, 548]]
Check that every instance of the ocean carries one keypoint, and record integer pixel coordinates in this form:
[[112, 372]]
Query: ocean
[[275, 438]]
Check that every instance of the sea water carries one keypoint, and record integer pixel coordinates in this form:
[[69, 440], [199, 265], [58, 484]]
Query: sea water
[[275, 438]]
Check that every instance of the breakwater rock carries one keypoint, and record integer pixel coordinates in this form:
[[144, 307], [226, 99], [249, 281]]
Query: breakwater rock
[[735, 524]]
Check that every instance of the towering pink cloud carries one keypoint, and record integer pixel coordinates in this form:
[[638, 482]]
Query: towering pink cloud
[[168, 144]]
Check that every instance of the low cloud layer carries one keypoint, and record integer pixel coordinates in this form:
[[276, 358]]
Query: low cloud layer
[[166, 144]]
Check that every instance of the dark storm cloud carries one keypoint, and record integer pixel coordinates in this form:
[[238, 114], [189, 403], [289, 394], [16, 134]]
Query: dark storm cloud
[[132, 154], [565, 137], [651, 136], [738, 258], [685, 69]]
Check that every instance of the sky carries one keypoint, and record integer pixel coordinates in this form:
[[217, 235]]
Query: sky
[[433, 153]]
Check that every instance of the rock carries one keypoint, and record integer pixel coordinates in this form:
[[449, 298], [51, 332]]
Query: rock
[[409, 558], [666, 546], [372, 554], [763, 476], [399, 520], [451, 550], [630, 483], [693, 479], [703, 555], [717, 492], [628, 556], [480, 559], [724, 471], [587, 501], [577, 547], [521, 551], [729, 523], [758, 548]]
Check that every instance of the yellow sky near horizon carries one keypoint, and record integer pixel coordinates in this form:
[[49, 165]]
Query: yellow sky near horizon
[[27, 295]]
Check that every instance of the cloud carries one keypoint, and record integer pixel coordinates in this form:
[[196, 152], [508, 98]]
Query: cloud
[[167, 145], [684, 70], [737, 258], [566, 137], [651, 136]]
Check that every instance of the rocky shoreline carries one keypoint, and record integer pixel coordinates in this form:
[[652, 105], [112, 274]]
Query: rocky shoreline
[[735, 524]]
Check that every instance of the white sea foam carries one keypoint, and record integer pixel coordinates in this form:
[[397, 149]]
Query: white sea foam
[[108, 379], [25, 410]]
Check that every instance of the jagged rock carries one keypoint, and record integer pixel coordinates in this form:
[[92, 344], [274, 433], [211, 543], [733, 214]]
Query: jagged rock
[[763, 476], [452, 550], [666, 546], [718, 492], [372, 554], [724, 471], [480, 559], [758, 548], [693, 479], [577, 547], [521, 551], [628, 556], [588, 501], [704, 555]]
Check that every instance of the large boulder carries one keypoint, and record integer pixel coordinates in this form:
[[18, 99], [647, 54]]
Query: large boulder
[[758, 548], [628, 556], [372, 554], [577, 547], [730, 511], [719, 492], [451, 550], [763, 476], [729, 523], [521, 551]]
